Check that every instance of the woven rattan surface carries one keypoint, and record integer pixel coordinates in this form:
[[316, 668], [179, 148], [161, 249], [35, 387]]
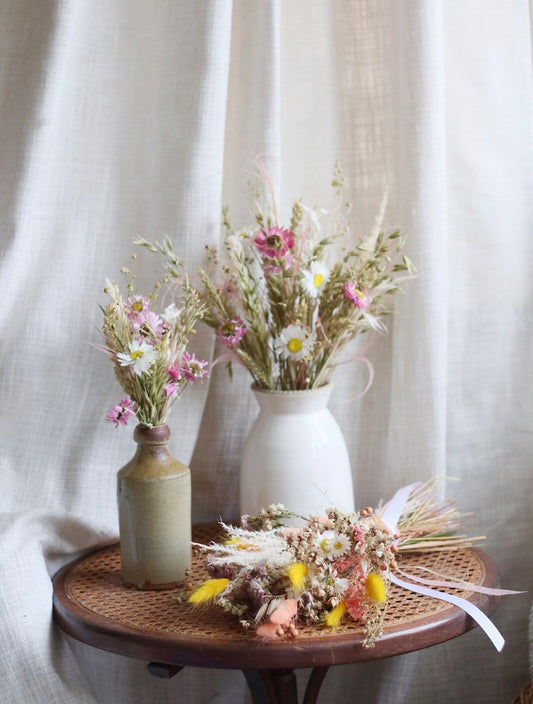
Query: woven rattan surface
[[92, 605]]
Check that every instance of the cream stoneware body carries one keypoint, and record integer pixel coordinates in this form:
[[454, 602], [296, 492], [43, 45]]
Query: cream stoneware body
[[154, 508]]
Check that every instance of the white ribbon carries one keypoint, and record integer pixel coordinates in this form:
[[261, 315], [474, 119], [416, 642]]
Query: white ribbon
[[456, 585], [471, 609], [392, 510], [390, 516]]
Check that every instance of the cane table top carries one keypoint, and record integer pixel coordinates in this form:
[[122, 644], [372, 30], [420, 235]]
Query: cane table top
[[92, 605]]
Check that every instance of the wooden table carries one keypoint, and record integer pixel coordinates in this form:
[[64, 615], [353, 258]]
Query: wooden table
[[92, 606]]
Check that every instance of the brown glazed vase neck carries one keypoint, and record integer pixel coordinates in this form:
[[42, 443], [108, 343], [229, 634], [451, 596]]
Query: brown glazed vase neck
[[152, 457], [158, 435]]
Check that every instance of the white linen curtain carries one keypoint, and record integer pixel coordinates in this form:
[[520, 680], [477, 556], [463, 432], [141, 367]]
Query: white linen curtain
[[122, 118]]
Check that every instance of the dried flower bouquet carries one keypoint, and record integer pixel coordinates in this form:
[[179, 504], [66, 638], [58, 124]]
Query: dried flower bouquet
[[335, 567], [149, 347], [286, 298]]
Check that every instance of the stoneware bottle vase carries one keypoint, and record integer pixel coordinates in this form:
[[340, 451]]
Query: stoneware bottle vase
[[295, 454], [154, 509]]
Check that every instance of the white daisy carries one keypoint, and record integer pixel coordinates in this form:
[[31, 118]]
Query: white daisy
[[140, 356], [315, 278], [333, 544], [294, 342]]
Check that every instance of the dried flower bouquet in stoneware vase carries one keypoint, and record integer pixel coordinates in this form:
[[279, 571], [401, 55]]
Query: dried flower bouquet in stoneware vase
[[285, 297], [148, 346]]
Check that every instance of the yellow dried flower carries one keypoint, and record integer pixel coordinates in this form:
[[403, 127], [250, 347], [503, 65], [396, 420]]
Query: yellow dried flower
[[375, 587], [335, 615], [297, 574], [208, 591]]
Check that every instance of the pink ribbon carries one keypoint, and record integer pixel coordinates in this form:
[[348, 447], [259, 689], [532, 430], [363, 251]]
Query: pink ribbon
[[370, 367], [361, 358]]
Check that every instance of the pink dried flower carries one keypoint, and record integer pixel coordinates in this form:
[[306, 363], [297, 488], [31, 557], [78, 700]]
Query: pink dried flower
[[346, 564], [268, 630], [193, 368], [147, 325], [355, 602], [121, 413], [358, 534], [174, 386], [275, 242], [281, 618], [231, 332], [135, 305], [357, 296], [175, 373]]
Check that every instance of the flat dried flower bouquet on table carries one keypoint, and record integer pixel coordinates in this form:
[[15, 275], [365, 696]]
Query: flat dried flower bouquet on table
[[335, 568]]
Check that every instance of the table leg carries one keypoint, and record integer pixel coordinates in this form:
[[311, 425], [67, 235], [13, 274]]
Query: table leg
[[261, 687], [313, 686], [272, 686], [266, 686], [159, 669], [284, 682]]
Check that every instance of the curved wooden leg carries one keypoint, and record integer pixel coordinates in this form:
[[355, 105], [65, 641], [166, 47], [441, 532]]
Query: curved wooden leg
[[285, 686], [272, 686], [314, 684], [282, 687], [261, 686]]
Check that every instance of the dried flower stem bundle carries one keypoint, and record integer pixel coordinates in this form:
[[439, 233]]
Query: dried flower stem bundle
[[430, 523]]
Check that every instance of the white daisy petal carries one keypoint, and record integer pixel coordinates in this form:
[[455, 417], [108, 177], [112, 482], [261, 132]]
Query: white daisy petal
[[315, 278], [332, 544], [294, 342], [140, 356]]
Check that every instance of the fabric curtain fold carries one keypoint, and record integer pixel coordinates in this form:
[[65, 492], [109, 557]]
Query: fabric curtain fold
[[125, 119]]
